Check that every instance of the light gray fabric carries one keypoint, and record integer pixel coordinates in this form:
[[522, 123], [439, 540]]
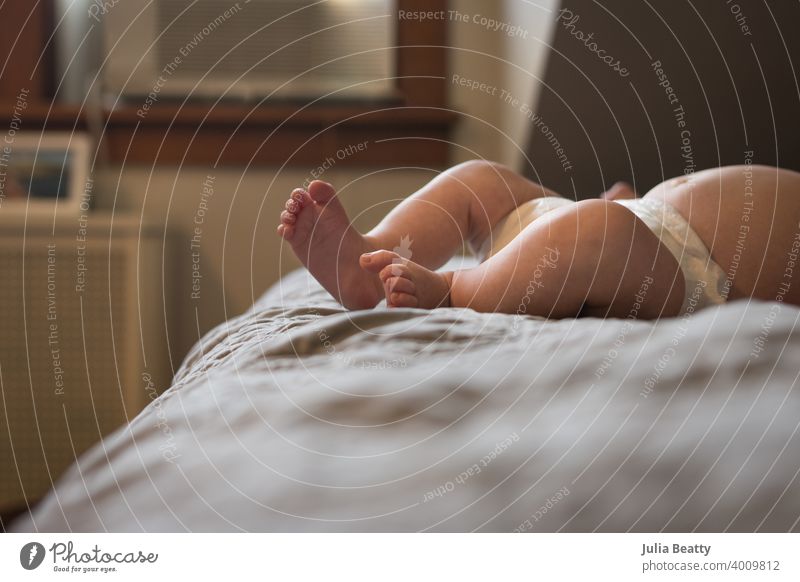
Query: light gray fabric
[[301, 416]]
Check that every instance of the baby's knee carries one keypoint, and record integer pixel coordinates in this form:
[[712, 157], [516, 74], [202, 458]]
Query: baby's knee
[[479, 167], [485, 179]]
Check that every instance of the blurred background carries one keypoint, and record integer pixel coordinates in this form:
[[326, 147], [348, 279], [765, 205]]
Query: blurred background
[[159, 127], [180, 127]]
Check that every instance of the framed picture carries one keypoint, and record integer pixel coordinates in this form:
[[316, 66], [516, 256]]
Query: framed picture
[[39, 171]]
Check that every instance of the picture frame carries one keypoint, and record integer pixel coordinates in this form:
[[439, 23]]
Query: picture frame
[[40, 172]]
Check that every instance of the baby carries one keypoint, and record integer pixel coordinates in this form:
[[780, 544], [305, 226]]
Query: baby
[[698, 240]]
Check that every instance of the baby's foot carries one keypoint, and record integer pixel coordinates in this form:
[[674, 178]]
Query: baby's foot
[[316, 226], [407, 284], [619, 191]]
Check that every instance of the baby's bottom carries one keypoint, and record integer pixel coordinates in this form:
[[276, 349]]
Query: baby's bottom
[[591, 258]]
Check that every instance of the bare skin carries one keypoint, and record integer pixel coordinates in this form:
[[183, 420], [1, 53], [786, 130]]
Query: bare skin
[[593, 257], [749, 219], [316, 225], [554, 268], [461, 204]]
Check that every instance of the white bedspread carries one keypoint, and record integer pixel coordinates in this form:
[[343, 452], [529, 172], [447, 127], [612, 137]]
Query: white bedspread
[[301, 416]]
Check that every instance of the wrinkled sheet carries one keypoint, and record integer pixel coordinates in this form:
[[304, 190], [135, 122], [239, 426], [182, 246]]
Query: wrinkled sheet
[[301, 416]]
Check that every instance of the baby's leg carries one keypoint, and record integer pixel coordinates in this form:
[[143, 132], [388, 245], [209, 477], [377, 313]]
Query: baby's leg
[[591, 258], [460, 205]]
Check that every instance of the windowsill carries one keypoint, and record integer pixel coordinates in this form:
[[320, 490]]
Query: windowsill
[[281, 134]]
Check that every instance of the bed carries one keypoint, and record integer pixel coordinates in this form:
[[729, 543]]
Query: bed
[[301, 416]]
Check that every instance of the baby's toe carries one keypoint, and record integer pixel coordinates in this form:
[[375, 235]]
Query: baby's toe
[[400, 285], [288, 217], [377, 261], [395, 269], [293, 205], [321, 192], [285, 231], [402, 300]]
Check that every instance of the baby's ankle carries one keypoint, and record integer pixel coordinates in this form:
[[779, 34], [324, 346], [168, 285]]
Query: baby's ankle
[[447, 276]]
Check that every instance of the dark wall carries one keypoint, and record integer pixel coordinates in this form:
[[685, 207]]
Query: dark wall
[[733, 67]]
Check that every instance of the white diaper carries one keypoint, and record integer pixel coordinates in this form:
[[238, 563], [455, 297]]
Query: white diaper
[[704, 278]]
